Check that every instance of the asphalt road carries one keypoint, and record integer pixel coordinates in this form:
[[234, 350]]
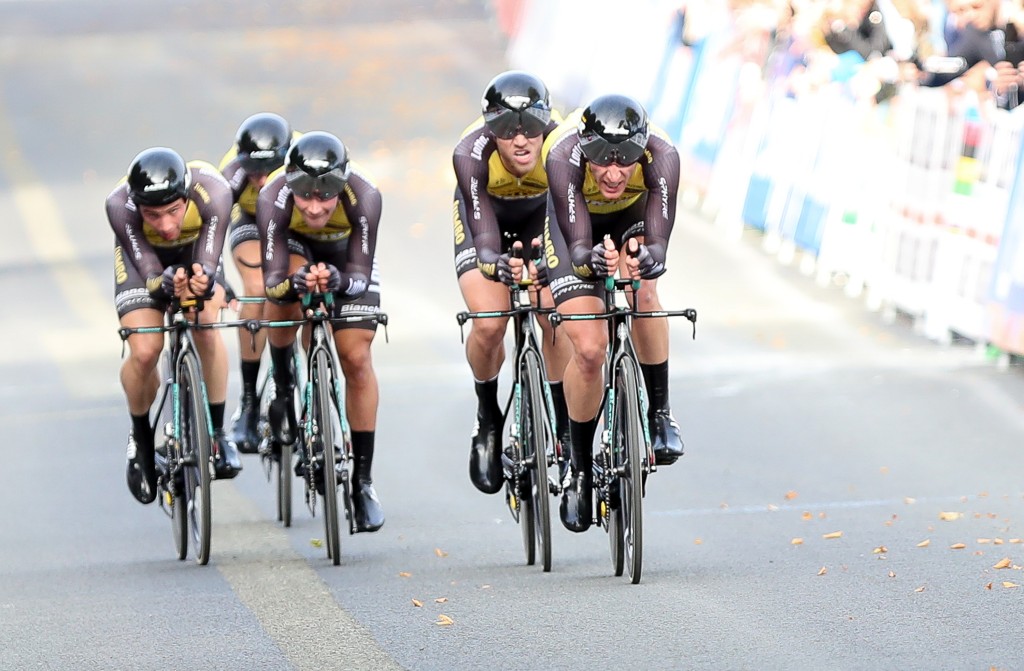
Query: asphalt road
[[835, 460]]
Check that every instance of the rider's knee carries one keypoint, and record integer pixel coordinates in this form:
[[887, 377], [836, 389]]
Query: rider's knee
[[489, 332], [145, 351]]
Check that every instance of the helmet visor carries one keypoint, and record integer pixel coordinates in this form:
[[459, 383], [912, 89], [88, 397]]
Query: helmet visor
[[601, 152], [506, 123], [324, 187]]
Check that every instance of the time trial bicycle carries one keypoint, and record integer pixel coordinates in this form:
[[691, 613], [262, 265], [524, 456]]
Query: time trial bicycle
[[323, 447], [185, 457], [625, 457], [532, 447]]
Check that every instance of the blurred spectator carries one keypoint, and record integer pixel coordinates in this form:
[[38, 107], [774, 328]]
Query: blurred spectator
[[856, 25]]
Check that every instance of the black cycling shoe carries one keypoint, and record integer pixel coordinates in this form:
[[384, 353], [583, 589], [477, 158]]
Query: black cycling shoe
[[665, 437], [576, 508], [243, 425], [140, 472], [282, 418], [227, 464], [485, 457], [366, 506]]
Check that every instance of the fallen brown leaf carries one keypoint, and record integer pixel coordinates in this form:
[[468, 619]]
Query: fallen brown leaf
[[417, 603], [834, 534], [404, 574], [807, 516], [982, 541], [316, 542], [925, 543], [880, 549], [1003, 563], [797, 541], [440, 553], [1009, 585], [950, 516], [823, 570], [1017, 540], [790, 495], [957, 546], [443, 620], [441, 599], [920, 589], [697, 541], [892, 574], [997, 541], [988, 586]]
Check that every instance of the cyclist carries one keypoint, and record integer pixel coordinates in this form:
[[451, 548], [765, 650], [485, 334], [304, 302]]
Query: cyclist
[[168, 216], [318, 219], [260, 147], [502, 189], [613, 179]]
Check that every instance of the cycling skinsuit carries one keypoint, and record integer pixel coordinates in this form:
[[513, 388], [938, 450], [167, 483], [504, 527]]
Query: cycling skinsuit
[[579, 216], [348, 241], [141, 254], [502, 208], [243, 213]]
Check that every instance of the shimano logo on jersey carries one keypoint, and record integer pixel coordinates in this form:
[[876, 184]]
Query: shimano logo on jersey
[[364, 242], [478, 147], [663, 185], [159, 186], [571, 196], [474, 193], [269, 256], [136, 253], [211, 234]]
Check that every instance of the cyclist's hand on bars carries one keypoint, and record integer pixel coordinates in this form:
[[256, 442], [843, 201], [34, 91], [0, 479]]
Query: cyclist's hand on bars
[[168, 282], [304, 280], [200, 284], [604, 257], [510, 270], [538, 265], [641, 263]]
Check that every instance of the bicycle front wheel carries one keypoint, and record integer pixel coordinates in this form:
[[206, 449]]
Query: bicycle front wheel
[[325, 423], [628, 467], [197, 455], [536, 436]]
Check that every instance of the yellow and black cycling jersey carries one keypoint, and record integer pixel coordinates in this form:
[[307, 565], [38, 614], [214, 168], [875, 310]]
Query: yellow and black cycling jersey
[[354, 221], [575, 194], [242, 190], [494, 197], [207, 212]]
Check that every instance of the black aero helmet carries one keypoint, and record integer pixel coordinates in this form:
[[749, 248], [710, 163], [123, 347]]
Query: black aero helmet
[[262, 142], [516, 102], [158, 176], [317, 165], [613, 129]]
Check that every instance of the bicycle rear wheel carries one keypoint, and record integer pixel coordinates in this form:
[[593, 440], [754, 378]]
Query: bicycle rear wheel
[[628, 466], [535, 437], [325, 423], [196, 446]]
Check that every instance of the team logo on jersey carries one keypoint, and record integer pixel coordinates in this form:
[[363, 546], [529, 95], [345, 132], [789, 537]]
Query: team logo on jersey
[[120, 270], [202, 193], [549, 246], [460, 228]]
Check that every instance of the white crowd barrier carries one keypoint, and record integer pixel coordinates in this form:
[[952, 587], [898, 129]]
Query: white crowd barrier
[[915, 205]]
